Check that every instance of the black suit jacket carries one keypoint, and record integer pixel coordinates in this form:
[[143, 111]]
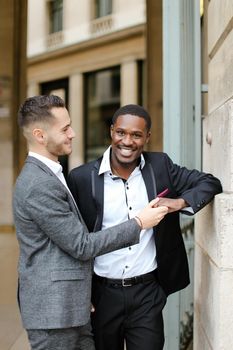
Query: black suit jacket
[[196, 188]]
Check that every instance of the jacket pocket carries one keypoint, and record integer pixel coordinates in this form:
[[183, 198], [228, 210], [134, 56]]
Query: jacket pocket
[[67, 275]]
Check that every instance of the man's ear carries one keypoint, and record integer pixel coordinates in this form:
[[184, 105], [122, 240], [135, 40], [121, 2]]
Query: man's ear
[[111, 130], [148, 136], [39, 135]]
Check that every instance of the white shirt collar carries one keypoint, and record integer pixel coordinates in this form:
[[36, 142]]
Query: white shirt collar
[[51, 164], [105, 163]]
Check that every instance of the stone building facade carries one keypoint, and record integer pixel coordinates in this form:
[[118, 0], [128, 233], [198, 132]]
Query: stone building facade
[[213, 326]]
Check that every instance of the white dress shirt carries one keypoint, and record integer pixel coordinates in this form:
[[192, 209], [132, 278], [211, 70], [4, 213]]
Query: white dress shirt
[[122, 201]]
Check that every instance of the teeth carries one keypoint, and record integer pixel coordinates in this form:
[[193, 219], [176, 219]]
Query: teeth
[[126, 152]]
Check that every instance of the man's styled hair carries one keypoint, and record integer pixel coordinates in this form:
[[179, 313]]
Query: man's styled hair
[[38, 109], [136, 110]]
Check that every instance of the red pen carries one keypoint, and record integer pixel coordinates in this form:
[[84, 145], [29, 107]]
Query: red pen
[[163, 193]]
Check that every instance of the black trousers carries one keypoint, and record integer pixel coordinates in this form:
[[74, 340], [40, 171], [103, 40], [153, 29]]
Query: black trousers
[[128, 314]]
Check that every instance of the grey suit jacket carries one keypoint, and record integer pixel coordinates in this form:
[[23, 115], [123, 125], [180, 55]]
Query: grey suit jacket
[[56, 250]]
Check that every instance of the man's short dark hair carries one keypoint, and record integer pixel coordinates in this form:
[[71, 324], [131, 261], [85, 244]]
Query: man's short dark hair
[[136, 110], [38, 109]]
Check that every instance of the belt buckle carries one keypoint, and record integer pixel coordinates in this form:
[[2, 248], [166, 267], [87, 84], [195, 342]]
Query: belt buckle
[[125, 284]]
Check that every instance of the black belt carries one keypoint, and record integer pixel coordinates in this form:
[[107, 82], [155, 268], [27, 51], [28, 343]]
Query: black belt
[[127, 282]]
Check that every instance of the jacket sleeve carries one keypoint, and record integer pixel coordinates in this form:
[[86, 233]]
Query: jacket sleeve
[[46, 205], [195, 187]]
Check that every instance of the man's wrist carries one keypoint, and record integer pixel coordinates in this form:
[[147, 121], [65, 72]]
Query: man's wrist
[[182, 203], [139, 222]]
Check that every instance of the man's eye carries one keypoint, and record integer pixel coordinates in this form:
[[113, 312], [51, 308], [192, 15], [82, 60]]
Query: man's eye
[[137, 136], [120, 133], [66, 128]]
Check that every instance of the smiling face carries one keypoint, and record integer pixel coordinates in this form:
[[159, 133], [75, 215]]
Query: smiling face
[[129, 135], [53, 138], [59, 134]]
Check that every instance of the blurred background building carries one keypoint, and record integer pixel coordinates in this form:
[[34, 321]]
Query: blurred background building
[[175, 58]]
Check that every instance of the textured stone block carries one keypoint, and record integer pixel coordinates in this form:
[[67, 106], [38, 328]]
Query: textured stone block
[[221, 75], [213, 231], [213, 303], [206, 287], [224, 13], [218, 154], [199, 338]]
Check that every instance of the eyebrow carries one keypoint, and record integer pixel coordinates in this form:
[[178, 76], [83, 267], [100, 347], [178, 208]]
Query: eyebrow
[[133, 131]]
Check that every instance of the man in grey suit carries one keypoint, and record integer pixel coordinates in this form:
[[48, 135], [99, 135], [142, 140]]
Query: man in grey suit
[[56, 250]]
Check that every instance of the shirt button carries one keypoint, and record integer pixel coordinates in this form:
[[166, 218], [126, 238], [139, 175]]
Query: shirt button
[[130, 248], [130, 208], [126, 267]]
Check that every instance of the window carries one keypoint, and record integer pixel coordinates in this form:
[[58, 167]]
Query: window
[[56, 15], [102, 99], [141, 83], [103, 8]]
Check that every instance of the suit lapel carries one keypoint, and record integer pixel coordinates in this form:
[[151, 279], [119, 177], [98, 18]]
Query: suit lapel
[[40, 164], [97, 187], [149, 179], [46, 169]]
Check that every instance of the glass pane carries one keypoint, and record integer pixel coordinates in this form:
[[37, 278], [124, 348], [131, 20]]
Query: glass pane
[[103, 8], [56, 16], [102, 100], [141, 83]]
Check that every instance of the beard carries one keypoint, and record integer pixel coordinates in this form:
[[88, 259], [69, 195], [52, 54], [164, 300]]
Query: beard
[[58, 149]]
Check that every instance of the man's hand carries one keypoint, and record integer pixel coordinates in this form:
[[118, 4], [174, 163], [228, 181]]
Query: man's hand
[[151, 215], [172, 204]]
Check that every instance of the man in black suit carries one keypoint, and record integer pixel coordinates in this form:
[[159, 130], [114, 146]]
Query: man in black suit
[[130, 285]]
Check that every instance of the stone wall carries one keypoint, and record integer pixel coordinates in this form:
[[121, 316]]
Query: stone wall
[[214, 225]]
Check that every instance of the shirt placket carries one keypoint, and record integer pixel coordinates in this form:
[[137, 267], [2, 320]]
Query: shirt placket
[[129, 203]]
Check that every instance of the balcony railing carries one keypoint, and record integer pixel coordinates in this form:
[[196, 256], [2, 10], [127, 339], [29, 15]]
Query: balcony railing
[[102, 25], [54, 40]]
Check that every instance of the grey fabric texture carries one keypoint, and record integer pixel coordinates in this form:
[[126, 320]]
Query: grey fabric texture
[[56, 250], [76, 338]]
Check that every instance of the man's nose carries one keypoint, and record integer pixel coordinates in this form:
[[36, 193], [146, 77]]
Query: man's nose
[[71, 133], [127, 139]]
